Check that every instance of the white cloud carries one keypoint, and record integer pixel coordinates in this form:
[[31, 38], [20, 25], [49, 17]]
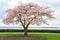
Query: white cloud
[[57, 13], [13, 3], [49, 1], [54, 22], [26, 1], [53, 1]]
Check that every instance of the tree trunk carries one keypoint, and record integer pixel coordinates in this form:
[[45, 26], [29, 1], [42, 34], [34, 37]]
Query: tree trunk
[[25, 31]]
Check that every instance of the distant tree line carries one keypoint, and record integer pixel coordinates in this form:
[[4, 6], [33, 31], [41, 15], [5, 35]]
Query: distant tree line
[[21, 30]]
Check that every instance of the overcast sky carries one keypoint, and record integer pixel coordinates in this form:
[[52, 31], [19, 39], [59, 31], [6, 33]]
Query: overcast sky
[[55, 4]]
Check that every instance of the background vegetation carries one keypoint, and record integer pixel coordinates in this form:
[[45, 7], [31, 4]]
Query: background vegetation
[[29, 30]]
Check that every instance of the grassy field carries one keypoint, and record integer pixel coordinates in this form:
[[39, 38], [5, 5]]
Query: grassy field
[[50, 36]]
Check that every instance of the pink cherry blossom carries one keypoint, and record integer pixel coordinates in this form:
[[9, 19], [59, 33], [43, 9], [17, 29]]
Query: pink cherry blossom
[[30, 13]]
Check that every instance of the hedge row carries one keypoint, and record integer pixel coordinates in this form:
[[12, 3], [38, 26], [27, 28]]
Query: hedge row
[[17, 30]]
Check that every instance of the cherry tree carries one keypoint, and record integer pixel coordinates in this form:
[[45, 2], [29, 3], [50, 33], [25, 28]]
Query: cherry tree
[[26, 14]]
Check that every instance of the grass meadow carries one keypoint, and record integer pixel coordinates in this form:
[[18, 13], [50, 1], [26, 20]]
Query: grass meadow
[[49, 36]]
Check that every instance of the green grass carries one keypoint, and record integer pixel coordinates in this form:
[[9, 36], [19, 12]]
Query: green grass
[[52, 36], [49, 36]]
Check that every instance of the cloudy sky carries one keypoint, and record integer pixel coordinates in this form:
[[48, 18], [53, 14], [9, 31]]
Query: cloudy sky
[[55, 4]]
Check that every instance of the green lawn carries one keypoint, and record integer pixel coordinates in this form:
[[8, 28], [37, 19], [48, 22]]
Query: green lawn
[[50, 36]]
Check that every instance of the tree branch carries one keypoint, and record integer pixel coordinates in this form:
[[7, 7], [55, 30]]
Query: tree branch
[[21, 20], [30, 22]]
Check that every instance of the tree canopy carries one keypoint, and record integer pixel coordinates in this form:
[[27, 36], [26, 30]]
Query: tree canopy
[[30, 13]]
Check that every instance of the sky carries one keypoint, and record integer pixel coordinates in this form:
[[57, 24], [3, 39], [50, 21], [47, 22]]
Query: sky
[[54, 4]]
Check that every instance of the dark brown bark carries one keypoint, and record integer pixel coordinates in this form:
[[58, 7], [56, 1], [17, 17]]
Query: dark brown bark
[[25, 31]]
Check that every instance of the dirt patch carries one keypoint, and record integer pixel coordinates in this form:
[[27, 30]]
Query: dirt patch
[[22, 38]]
